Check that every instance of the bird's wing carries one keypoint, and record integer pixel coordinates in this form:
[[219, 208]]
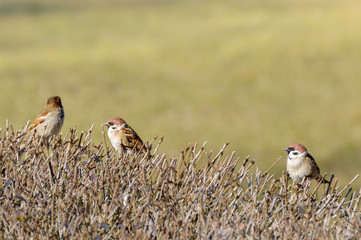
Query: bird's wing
[[318, 177], [39, 119], [313, 162], [133, 138]]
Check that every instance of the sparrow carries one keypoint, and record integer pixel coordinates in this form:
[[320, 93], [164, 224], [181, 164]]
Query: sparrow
[[301, 164], [123, 137], [49, 121]]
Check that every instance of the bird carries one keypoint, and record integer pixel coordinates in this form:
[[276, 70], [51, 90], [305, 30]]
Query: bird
[[301, 164], [49, 121], [123, 137]]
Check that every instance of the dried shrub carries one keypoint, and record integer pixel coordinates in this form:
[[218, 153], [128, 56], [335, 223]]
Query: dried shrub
[[69, 188]]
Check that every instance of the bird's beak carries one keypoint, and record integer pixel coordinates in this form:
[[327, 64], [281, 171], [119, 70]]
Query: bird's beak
[[287, 149], [106, 124]]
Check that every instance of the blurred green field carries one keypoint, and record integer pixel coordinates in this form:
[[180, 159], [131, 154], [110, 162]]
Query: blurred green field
[[260, 74]]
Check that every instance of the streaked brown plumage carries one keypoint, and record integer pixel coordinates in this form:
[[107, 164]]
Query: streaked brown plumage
[[123, 137], [49, 121]]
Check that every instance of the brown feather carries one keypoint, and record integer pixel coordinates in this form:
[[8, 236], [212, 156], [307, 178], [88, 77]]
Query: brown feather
[[125, 138], [48, 122], [313, 162], [39, 119], [315, 173], [133, 139]]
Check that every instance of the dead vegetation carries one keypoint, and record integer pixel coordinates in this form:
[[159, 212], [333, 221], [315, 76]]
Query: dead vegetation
[[73, 189]]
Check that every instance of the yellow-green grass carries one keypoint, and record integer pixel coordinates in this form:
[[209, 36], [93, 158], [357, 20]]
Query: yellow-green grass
[[260, 74]]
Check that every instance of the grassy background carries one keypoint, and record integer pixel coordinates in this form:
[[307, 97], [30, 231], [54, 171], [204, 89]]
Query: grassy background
[[260, 74]]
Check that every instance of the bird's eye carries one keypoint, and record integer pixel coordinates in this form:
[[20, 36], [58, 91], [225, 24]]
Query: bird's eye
[[295, 153]]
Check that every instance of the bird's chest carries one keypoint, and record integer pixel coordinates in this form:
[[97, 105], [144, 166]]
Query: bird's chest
[[294, 163], [117, 138], [298, 168]]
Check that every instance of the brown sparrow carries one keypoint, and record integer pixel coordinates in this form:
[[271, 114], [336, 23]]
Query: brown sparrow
[[49, 121], [123, 137], [301, 164]]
